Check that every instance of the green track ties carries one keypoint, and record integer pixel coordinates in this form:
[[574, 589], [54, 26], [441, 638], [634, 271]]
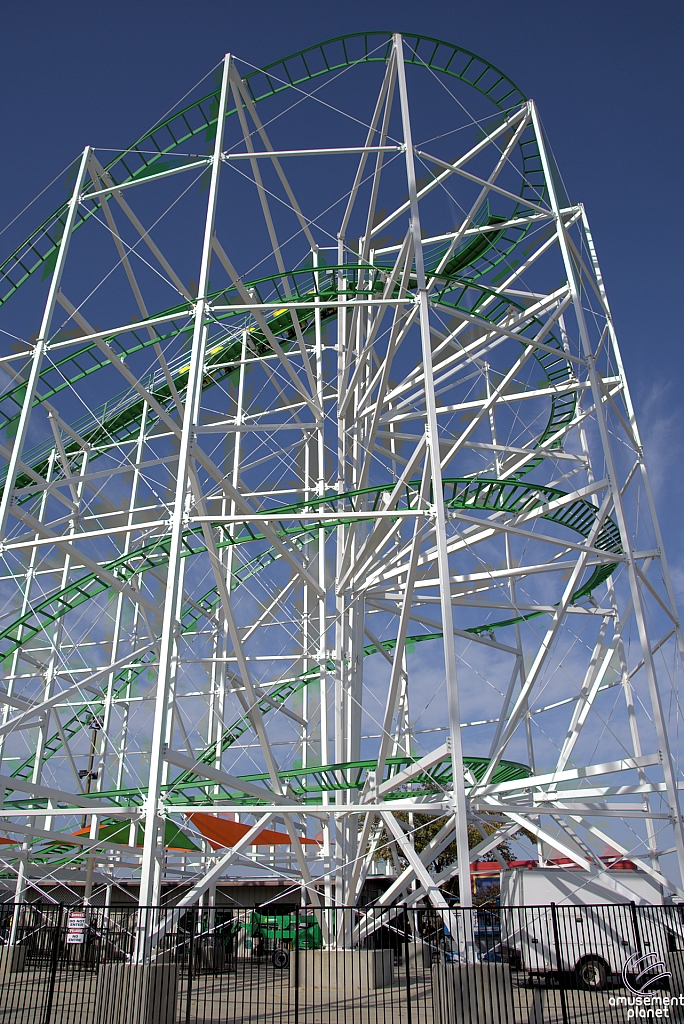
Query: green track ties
[[310, 782], [179, 129], [579, 516], [124, 423]]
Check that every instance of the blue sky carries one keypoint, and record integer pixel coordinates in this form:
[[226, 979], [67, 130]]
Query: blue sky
[[606, 76]]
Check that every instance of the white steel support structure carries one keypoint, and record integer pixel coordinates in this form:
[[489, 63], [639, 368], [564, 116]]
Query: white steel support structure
[[150, 868], [346, 532], [432, 444], [636, 587]]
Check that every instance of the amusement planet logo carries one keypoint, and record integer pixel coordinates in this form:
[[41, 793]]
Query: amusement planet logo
[[638, 974]]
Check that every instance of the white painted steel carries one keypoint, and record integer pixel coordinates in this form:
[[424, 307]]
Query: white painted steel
[[294, 497]]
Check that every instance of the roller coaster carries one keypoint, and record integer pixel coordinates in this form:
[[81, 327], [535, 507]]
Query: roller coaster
[[335, 485]]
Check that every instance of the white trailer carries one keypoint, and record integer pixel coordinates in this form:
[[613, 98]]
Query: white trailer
[[536, 887], [595, 931]]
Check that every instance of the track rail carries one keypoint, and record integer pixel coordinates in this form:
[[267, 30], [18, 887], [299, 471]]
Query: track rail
[[197, 121]]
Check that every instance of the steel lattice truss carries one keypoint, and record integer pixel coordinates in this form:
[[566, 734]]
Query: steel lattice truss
[[356, 523]]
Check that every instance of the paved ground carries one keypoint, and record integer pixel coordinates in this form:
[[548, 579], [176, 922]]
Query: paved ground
[[262, 995]]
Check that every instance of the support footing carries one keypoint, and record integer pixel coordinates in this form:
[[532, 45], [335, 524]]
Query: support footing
[[348, 971], [471, 993], [136, 994], [12, 960]]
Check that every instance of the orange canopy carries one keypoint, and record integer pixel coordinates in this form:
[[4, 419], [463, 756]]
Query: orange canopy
[[221, 832]]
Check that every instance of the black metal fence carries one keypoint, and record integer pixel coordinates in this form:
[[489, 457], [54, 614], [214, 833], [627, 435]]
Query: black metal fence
[[375, 965]]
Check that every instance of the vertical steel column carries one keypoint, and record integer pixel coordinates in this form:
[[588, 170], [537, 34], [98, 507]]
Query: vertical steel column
[[302, 703], [149, 877], [432, 434], [20, 885], [324, 754], [228, 558], [575, 286], [105, 743], [41, 345], [667, 579]]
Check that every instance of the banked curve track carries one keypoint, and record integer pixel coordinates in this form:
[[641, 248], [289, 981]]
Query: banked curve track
[[197, 121]]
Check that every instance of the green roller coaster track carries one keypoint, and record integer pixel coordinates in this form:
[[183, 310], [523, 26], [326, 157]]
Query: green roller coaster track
[[512, 497], [306, 785], [39, 250], [124, 422], [119, 420], [483, 494]]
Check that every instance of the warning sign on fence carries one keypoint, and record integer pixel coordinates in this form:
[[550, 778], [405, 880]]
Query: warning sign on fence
[[77, 925]]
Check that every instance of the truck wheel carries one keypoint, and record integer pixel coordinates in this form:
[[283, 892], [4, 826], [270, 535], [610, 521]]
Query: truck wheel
[[280, 959], [592, 974]]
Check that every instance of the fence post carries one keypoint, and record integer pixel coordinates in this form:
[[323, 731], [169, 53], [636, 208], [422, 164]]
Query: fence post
[[296, 965], [635, 925], [191, 959], [53, 966], [408, 966], [559, 963]]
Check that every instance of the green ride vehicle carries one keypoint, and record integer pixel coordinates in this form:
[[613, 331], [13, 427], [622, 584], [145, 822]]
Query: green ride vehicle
[[277, 934]]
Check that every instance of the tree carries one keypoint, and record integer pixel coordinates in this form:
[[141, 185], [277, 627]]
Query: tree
[[422, 829]]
